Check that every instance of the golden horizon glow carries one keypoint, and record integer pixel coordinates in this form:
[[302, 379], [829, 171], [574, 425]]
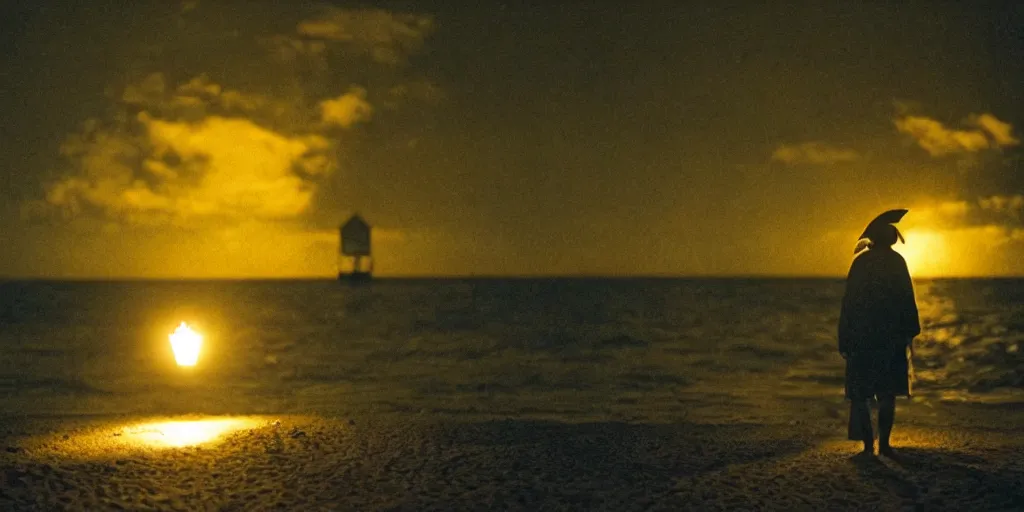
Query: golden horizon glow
[[186, 344], [926, 252], [177, 434]]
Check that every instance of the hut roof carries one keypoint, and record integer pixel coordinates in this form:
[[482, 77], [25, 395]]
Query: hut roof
[[355, 237], [355, 221]]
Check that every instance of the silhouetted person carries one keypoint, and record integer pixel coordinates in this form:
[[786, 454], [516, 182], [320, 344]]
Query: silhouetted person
[[877, 325]]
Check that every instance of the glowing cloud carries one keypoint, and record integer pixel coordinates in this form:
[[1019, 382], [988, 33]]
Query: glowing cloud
[[347, 109], [1001, 133], [199, 97], [245, 169], [937, 140], [234, 156], [199, 86], [387, 36], [1003, 204], [220, 167]]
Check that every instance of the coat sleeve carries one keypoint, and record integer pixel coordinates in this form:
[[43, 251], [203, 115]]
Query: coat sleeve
[[845, 333], [910, 323]]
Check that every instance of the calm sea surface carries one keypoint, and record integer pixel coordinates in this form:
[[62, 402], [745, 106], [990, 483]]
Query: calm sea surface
[[571, 347]]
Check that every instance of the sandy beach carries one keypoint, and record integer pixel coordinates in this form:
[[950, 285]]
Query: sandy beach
[[495, 396], [725, 455]]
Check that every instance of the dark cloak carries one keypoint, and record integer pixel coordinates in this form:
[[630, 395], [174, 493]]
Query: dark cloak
[[877, 322]]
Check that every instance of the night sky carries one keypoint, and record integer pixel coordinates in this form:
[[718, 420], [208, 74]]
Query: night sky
[[230, 139]]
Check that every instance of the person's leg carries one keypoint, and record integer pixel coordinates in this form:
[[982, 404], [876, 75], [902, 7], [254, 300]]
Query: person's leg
[[886, 418], [860, 425]]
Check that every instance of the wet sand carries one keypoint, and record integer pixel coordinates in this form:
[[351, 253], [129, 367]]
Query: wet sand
[[955, 457]]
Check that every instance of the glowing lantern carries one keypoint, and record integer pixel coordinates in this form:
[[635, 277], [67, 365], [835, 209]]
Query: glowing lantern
[[185, 343]]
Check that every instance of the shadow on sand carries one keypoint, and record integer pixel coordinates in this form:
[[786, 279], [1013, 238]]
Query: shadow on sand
[[405, 464], [588, 466], [936, 479]]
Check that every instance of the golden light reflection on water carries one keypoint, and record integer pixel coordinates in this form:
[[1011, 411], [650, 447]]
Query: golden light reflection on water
[[176, 434], [941, 323]]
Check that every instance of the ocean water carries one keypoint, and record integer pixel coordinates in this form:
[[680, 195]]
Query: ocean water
[[568, 348]]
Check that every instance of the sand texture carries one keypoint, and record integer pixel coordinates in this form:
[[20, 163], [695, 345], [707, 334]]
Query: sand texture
[[444, 462], [613, 395]]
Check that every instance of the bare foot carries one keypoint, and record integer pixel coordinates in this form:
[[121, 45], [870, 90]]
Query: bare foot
[[864, 456], [887, 451]]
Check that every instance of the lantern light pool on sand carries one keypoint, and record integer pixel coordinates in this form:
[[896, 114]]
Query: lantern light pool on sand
[[186, 343], [178, 434]]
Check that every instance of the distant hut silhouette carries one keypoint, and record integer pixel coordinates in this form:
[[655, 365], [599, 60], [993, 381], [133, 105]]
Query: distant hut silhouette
[[355, 262]]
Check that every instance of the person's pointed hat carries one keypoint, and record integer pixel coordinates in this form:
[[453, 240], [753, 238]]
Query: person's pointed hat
[[878, 228]]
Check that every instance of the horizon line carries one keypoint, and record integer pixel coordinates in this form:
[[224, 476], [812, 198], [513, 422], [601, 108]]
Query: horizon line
[[480, 277]]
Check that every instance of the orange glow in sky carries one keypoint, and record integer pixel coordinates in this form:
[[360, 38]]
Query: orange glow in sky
[[926, 253]]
